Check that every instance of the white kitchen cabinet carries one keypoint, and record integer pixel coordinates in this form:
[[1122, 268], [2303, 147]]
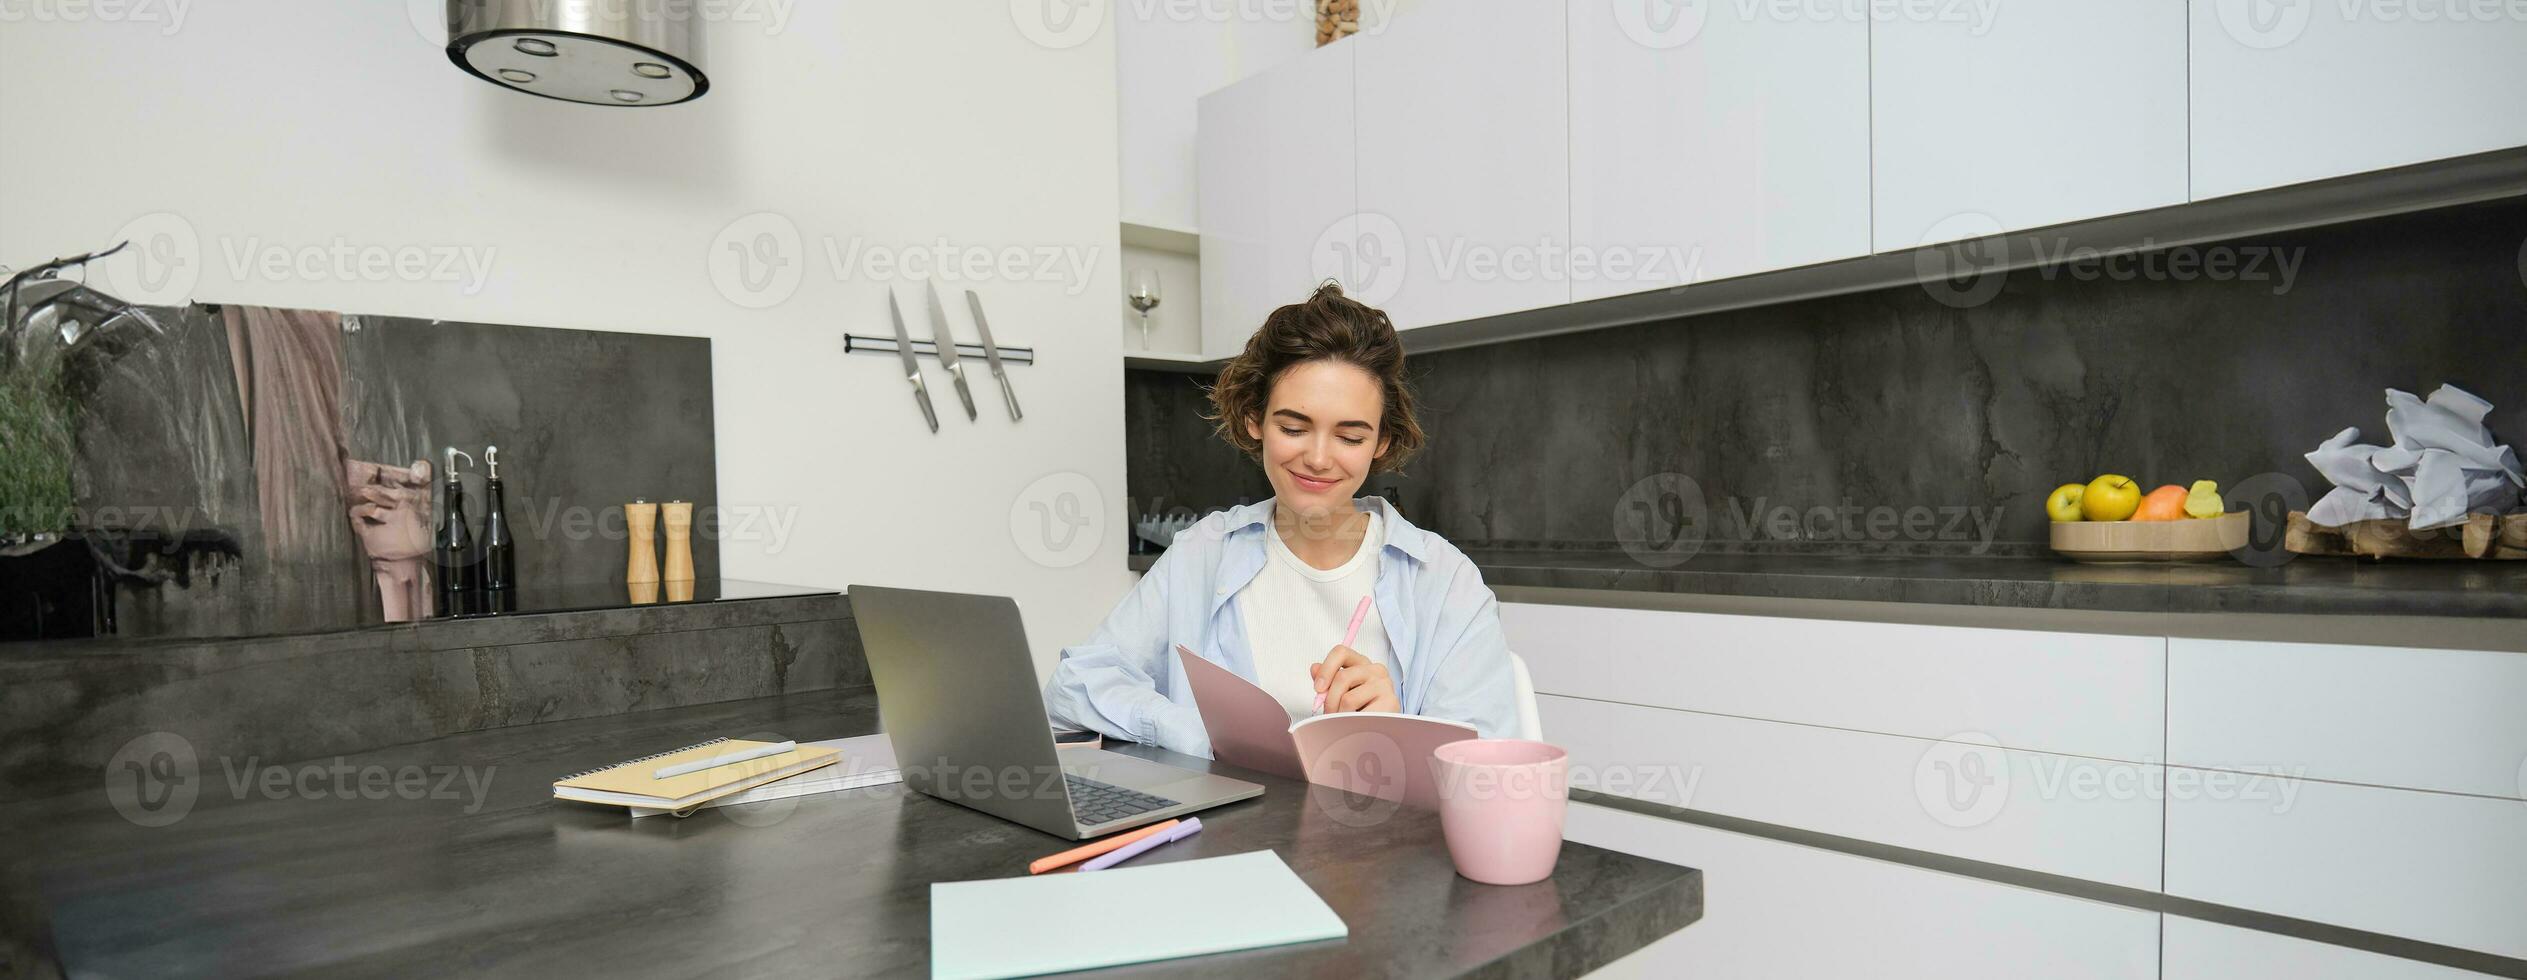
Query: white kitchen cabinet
[[2437, 867], [2448, 720], [1720, 142], [2000, 117], [2198, 950], [1276, 173], [2074, 693], [1772, 909], [1162, 63], [2065, 815], [1463, 162], [2292, 92]]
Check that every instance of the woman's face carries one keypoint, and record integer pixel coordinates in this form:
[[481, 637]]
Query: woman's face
[[1320, 434]]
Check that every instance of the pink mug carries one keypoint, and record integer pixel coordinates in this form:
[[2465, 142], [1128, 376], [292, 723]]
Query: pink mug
[[1500, 804]]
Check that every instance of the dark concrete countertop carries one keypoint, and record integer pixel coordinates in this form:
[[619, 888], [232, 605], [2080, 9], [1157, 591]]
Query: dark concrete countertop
[[2307, 585], [512, 882], [2336, 586]]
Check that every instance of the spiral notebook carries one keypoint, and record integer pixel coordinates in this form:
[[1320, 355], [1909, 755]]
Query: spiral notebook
[[635, 783]]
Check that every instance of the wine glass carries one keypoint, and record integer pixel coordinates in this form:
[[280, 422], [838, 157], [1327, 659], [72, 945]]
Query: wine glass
[[1144, 297]]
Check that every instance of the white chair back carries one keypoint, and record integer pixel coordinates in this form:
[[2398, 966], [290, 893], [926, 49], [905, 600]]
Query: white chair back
[[1530, 724]]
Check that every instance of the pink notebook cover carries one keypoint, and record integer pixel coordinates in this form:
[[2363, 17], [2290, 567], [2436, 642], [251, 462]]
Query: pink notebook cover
[[1380, 754]]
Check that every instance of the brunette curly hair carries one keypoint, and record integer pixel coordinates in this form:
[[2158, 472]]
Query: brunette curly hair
[[1328, 326]]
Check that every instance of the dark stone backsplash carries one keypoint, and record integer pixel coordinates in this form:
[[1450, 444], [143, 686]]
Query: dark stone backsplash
[[1820, 417]]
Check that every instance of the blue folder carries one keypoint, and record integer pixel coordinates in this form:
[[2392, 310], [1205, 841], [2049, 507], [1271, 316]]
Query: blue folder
[[1011, 927]]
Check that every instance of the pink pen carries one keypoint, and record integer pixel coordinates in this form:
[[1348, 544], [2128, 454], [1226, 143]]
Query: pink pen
[[1349, 633]]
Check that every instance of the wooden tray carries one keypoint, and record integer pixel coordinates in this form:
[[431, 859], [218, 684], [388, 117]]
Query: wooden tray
[[2481, 536], [2190, 539]]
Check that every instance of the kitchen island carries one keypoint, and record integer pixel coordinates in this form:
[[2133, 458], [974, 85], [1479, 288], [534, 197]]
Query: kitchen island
[[490, 875]]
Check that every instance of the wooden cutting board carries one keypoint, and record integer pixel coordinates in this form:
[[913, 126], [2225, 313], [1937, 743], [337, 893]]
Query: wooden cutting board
[[2191, 539]]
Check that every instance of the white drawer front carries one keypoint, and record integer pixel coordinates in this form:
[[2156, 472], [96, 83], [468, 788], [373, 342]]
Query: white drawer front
[[2448, 720], [1781, 910], [2070, 816], [2198, 950], [2430, 866], [2073, 693]]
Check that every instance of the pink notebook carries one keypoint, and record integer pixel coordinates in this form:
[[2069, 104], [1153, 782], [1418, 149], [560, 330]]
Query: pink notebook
[[1373, 753]]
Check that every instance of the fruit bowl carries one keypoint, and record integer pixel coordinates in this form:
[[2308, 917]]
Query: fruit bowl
[[2190, 539]]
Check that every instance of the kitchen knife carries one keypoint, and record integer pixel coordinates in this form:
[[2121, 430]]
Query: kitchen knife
[[912, 368], [991, 352], [945, 340]]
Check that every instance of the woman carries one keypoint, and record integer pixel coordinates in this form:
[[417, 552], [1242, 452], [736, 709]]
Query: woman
[[1267, 590]]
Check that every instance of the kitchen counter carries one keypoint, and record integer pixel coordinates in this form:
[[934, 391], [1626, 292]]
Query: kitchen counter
[[487, 874], [2452, 603], [2304, 585]]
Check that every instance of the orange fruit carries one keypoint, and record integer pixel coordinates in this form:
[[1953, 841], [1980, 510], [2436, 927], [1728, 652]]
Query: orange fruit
[[2166, 503]]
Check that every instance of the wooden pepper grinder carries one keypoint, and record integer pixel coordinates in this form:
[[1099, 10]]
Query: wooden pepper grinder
[[640, 518], [678, 516]]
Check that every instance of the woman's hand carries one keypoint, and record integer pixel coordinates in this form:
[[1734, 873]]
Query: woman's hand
[[1349, 681]]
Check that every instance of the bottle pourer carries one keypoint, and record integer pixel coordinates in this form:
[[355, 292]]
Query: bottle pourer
[[491, 460], [452, 453]]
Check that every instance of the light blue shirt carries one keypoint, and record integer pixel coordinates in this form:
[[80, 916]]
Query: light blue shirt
[[1442, 625]]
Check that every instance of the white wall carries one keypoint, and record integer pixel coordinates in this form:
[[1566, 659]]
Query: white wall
[[310, 122]]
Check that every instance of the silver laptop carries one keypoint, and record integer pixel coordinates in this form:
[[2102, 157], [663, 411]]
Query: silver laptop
[[956, 694]]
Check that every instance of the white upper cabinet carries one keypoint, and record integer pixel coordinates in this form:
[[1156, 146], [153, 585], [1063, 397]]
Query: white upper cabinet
[[1275, 155], [1715, 141], [1163, 61], [2291, 92], [1996, 117], [1464, 162]]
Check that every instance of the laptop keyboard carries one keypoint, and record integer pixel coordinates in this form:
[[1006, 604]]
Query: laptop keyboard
[[1094, 802]]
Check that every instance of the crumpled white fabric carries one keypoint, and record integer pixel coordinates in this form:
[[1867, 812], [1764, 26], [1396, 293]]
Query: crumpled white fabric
[[2443, 465]]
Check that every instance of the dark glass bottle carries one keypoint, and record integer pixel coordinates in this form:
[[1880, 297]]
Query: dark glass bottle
[[500, 556], [452, 553]]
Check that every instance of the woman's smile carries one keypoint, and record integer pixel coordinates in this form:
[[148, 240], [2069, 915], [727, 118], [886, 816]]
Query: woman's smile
[[1312, 484]]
